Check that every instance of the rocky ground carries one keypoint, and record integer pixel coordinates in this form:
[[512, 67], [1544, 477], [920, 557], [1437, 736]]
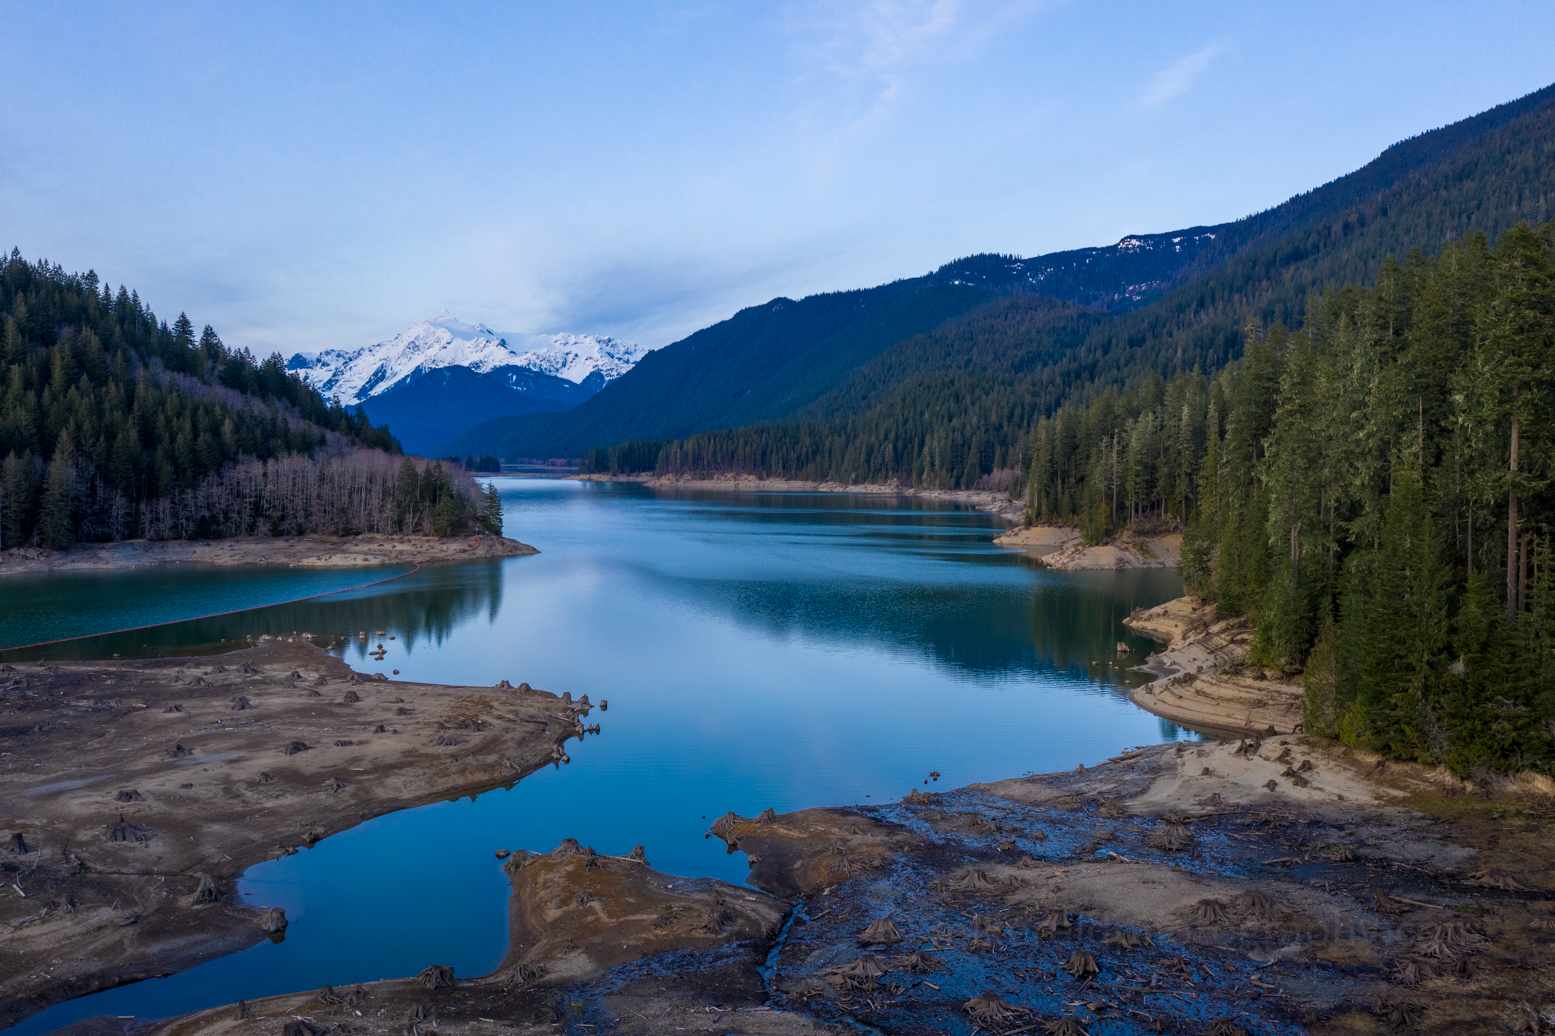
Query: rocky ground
[[1203, 679], [323, 551], [1267, 887], [133, 794], [1060, 547]]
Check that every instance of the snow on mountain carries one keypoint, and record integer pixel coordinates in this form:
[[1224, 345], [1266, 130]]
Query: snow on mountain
[[444, 341]]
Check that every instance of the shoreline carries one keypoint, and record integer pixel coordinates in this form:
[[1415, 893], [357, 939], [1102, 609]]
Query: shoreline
[[136, 793], [994, 502], [1202, 679], [1188, 887], [367, 549], [1061, 547]]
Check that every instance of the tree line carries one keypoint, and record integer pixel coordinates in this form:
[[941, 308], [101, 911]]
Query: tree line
[[361, 491], [105, 406], [1374, 489]]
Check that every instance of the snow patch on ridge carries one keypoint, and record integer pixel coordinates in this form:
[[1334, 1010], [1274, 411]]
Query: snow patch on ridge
[[445, 341]]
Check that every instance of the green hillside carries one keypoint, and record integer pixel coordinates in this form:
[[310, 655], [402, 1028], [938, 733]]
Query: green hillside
[[1179, 299], [926, 412], [115, 424]]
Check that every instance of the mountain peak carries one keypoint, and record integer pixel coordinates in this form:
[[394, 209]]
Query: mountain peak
[[446, 341]]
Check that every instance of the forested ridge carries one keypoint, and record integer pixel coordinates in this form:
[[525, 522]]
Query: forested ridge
[[1375, 489], [922, 414], [114, 424]]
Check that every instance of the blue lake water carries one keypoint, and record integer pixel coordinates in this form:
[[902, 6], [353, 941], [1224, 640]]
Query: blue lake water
[[783, 650]]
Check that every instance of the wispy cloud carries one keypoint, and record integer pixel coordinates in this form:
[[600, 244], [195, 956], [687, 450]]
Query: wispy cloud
[[1175, 80]]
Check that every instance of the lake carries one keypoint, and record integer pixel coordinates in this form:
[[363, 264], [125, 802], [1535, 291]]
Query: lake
[[783, 650]]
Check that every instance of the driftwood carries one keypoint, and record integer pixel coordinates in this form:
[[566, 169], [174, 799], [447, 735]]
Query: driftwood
[[916, 963], [438, 976], [1411, 973], [1049, 925], [638, 855]]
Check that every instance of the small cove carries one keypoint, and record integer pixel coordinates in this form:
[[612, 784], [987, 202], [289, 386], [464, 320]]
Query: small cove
[[783, 650]]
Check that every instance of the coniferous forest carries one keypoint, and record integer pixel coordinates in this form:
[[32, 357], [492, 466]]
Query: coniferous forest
[[115, 425], [1374, 489]]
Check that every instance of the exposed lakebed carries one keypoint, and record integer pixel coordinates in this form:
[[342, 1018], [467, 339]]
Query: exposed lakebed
[[784, 650]]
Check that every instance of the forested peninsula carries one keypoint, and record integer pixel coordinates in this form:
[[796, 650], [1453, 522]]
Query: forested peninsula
[[115, 425]]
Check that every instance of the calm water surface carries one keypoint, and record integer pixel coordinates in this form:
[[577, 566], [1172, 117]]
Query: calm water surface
[[783, 650]]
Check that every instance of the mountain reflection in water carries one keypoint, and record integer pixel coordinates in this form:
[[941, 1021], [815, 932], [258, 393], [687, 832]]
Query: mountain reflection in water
[[758, 651]]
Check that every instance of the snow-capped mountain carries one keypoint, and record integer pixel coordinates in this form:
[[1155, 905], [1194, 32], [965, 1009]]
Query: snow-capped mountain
[[437, 378], [445, 341]]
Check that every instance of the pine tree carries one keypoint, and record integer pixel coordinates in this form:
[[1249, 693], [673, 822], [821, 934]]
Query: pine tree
[[56, 518]]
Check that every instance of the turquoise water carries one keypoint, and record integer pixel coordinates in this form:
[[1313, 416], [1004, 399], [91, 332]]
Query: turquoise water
[[783, 650]]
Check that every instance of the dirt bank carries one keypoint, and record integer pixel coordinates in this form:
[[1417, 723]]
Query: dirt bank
[[1277, 887], [323, 551], [1203, 679], [133, 794], [994, 502], [1061, 548]]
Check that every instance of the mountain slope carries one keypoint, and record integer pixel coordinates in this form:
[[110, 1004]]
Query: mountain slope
[[1181, 298], [951, 407]]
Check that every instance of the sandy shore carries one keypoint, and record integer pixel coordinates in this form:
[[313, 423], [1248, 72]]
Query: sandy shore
[[1281, 886], [1061, 547], [998, 503], [133, 794], [321, 551], [1203, 680]]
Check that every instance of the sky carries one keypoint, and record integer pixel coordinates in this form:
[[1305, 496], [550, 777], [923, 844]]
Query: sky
[[305, 176]]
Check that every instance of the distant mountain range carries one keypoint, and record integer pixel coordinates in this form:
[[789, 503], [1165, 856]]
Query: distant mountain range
[[439, 377], [1147, 306]]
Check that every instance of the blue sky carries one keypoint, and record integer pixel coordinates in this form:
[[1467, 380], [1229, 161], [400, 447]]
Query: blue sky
[[305, 176]]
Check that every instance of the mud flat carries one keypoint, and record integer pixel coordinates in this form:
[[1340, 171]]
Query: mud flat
[[319, 551], [1280, 886], [133, 794], [992, 501], [1203, 679]]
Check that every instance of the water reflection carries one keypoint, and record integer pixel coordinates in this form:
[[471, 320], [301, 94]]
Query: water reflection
[[782, 651], [424, 607]]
